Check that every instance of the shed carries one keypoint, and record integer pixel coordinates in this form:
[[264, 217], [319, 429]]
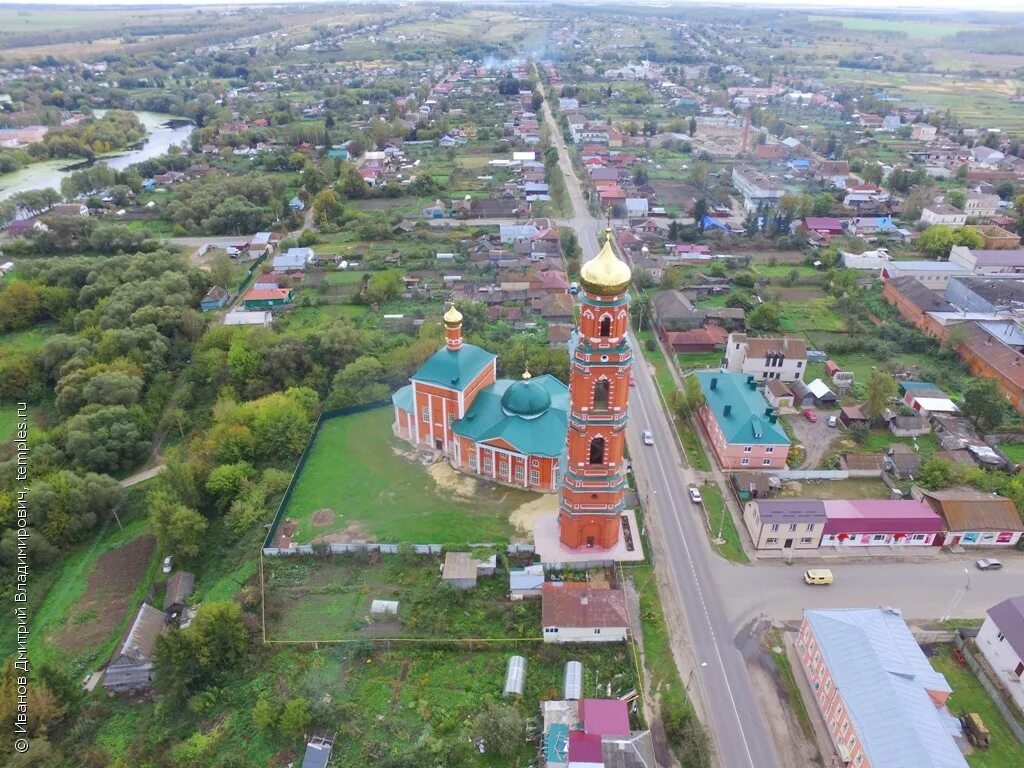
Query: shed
[[903, 461], [831, 368], [180, 587], [572, 684], [820, 392], [754, 485], [459, 570], [862, 464], [526, 583], [852, 414], [384, 608], [132, 667], [909, 426], [318, 752], [515, 676], [778, 394], [215, 298]]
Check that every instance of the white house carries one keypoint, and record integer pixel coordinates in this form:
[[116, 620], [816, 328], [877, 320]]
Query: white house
[[573, 612], [783, 358], [293, 260], [943, 214], [981, 205], [1001, 642]]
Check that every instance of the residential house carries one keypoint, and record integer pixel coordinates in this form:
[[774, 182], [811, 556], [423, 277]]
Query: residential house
[[132, 667], [25, 227], [834, 172], [880, 698], [707, 339], [974, 518], [880, 522], [1001, 641], [215, 298], [296, 204], [267, 298], [293, 260], [823, 225], [743, 429], [785, 523], [674, 311], [557, 308], [866, 226], [435, 210], [988, 262], [574, 612], [754, 485], [923, 132], [783, 358], [943, 214], [756, 187], [981, 205]]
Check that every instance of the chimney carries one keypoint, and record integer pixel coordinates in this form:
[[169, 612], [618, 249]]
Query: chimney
[[727, 411], [773, 417], [769, 411], [714, 382]]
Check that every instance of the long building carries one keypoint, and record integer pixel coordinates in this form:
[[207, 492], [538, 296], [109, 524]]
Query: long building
[[755, 186]]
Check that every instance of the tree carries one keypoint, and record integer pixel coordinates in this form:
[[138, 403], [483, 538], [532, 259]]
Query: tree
[[984, 404], [764, 318], [823, 204], [264, 714], [689, 399], [935, 474], [294, 718], [227, 481], [359, 382], [179, 529], [700, 210], [327, 207], [384, 286], [693, 126], [105, 439], [208, 652], [502, 727], [957, 198], [938, 239], [881, 389], [872, 173]]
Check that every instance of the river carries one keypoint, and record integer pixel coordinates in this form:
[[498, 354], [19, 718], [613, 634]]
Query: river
[[49, 174]]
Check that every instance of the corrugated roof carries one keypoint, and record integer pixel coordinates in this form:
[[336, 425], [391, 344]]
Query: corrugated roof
[[141, 640], [791, 346], [573, 604], [542, 435], [747, 422], [790, 510], [180, 587], [884, 678], [635, 752], [454, 369], [1009, 617], [864, 461], [880, 516], [458, 565], [605, 717], [968, 509]]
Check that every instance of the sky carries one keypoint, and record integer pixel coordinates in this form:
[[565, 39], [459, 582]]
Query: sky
[[889, 5]]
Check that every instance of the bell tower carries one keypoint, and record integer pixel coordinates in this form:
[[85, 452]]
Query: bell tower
[[590, 503]]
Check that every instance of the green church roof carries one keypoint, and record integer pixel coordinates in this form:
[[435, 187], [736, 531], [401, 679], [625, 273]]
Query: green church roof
[[740, 410], [403, 399], [529, 414], [454, 370]]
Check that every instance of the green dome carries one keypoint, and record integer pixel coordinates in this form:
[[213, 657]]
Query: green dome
[[526, 398]]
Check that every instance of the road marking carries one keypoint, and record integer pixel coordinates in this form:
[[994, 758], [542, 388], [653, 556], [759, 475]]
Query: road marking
[[700, 592]]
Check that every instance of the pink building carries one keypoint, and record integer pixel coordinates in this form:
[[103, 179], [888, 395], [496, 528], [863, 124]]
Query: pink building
[[742, 427], [880, 522]]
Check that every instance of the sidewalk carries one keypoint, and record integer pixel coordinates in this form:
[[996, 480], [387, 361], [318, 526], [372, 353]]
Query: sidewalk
[[858, 554]]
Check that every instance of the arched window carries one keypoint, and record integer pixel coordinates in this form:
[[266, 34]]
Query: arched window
[[597, 450], [601, 394], [606, 326]]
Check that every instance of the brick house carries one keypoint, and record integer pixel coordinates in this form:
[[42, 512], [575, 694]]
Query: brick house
[[743, 429]]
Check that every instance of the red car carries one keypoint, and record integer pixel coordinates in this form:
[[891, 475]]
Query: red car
[[810, 415]]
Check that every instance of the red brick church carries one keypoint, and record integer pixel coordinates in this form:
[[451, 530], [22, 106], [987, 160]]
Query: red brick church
[[534, 432]]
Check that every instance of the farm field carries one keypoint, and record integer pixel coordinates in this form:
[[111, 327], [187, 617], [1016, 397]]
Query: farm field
[[327, 599], [916, 29], [361, 482]]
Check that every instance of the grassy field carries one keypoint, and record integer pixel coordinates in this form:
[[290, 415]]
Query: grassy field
[[853, 488], [810, 315], [307, 320], [30, 338], [328, 600], [789, 685], [355, 470], [696, 361], [968, 695], [721, 520], [1014, 451], [916, 29], [9, 422]]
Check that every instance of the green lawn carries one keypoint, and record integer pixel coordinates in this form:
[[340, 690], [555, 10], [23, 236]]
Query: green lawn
[[8, 422], [1014, 451], [696, 361], [721, 521], [968, 695], [853, 488], [354, 470], [789, 684], [879, 441], [307, 320], [810, 315], [692, 446], [328, 600]]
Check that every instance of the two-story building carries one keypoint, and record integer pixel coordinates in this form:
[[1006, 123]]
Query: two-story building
[[981, 205], [943, 214], [755, 186], [1001, 642], [880, 698], [785, 523], [742, 427], [770, 357]]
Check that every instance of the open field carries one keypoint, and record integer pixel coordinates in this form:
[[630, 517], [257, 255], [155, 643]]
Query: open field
[[30, 338], [327, 599], [854, 488], [968, 695], [361, 482], [917, 29], [698, 361]]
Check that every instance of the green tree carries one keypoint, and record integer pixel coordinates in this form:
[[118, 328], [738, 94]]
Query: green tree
[[359, 382], [881, 389], [294, 718], [823, 204], [227, 481], [105, 439], [265, 714], [693, 126], [957, 198], [502, 727], [764, 318], [935, 474], [984, 404], [384, 286], [179, 529]]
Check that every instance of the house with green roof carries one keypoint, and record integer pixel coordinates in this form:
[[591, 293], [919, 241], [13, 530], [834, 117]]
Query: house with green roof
[[509, 431], [742, 427]]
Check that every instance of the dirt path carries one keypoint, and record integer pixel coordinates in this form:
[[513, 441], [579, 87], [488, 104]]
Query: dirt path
[[140, 477]]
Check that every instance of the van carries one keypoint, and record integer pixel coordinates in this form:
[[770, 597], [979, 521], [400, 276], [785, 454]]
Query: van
[[818, 576]]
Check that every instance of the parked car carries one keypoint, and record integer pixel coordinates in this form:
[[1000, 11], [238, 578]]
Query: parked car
[[648, 437], [810, 415], [988, 564], [695, 495], [168, 564], [832, 420]]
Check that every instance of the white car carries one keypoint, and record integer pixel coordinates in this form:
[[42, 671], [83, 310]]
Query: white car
[[168, 564], [831, 421], [648, 437], [695, 495], [988, 564]]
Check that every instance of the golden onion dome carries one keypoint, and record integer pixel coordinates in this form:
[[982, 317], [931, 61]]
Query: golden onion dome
[[452, 317], [606, 274]]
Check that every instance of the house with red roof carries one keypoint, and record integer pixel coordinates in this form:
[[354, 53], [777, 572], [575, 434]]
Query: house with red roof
[[880, 523], [823, 225], [573, 612], [267, 298]]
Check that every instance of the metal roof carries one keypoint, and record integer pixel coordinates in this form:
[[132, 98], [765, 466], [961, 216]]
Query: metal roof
[[1009, 617], [884, 678], [790, 510], [540, 434], [741, 411], [454, 369]]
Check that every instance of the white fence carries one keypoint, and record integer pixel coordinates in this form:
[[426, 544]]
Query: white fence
[[343, 548]]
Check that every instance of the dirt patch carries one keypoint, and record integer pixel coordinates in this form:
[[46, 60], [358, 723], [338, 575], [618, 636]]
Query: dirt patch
[[798, 294], [524, 518], [322, 517], [449, 480], [351, 532], [107, 597], [285, 531]]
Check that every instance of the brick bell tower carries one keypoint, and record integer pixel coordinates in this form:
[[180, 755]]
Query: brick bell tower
[[590, 503]]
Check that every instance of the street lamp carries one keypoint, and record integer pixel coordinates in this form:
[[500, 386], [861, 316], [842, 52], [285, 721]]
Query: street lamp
[[967, 571]]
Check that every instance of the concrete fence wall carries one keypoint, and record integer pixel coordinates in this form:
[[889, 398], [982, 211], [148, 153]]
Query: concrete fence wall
[[812, 474], [385, 548], [1002, 702]]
